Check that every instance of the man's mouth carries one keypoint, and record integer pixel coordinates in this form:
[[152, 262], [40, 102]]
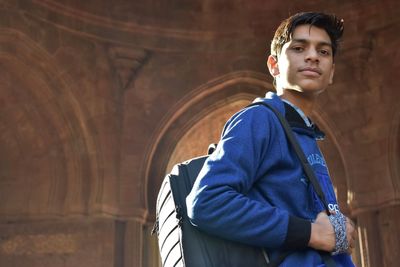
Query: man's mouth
[[311, 71]]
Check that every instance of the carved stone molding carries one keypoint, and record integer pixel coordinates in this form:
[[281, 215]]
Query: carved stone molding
[[356, 55], [126, 62], [57, 243], [115, 26], [46, 123]]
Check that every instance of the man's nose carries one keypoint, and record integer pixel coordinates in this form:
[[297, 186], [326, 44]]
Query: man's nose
[[312, 55]]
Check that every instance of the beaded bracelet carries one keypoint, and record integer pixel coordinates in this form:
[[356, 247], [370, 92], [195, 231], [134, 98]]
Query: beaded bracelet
[[338, 222]]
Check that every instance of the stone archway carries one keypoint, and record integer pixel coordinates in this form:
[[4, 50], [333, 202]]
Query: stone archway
[[207, 130], [44, 141]]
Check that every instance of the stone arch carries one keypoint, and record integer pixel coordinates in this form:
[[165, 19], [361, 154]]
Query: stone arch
[[46, 141], [227, 90], [207, 129]]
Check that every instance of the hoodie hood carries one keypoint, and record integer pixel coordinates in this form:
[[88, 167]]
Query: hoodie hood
[[294, 119]]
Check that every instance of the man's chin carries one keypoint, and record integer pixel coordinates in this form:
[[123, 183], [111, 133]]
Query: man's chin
[[312, 87]]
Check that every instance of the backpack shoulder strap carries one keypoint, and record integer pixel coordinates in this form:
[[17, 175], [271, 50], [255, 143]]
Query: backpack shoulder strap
[[304, 162]]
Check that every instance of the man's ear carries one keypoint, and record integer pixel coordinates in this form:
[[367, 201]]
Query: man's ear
[[331, 74], [272, 63]]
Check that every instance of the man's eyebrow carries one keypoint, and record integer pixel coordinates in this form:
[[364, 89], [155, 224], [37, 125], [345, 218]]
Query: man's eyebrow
[[304, 41]]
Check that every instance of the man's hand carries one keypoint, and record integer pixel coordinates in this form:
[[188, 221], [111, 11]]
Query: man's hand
[[351, 233], [322, 234]]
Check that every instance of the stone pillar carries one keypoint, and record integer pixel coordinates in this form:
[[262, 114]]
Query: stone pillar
[[370, 249], [389, 221], [378, 237]]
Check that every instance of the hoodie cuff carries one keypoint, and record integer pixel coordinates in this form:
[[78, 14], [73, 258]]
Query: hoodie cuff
[[298, 234]]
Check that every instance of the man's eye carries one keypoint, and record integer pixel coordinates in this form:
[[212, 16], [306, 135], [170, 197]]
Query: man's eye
[[325, 52], [298, 48]]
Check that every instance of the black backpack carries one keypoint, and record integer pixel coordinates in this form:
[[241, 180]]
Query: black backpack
[[182, 244]]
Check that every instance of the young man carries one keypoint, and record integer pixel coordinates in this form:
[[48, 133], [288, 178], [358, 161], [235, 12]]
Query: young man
[[252, 189]]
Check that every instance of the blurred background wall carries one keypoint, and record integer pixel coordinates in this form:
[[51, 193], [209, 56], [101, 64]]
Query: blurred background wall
[[98, 99]]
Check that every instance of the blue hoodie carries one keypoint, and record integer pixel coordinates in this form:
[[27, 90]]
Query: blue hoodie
[[253, 190]]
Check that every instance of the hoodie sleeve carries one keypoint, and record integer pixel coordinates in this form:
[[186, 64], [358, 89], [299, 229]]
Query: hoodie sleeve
[[218, 203]]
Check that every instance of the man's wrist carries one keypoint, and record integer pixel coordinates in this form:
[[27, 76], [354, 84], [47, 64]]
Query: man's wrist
[[338, 222]]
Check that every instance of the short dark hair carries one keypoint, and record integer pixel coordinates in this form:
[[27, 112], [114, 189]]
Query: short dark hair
[[330, 23]]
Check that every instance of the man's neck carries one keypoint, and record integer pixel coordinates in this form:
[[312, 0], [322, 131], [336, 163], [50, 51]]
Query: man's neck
[[301, 100]]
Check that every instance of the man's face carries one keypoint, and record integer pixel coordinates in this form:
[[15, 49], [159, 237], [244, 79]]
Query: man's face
[[305, 63]]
